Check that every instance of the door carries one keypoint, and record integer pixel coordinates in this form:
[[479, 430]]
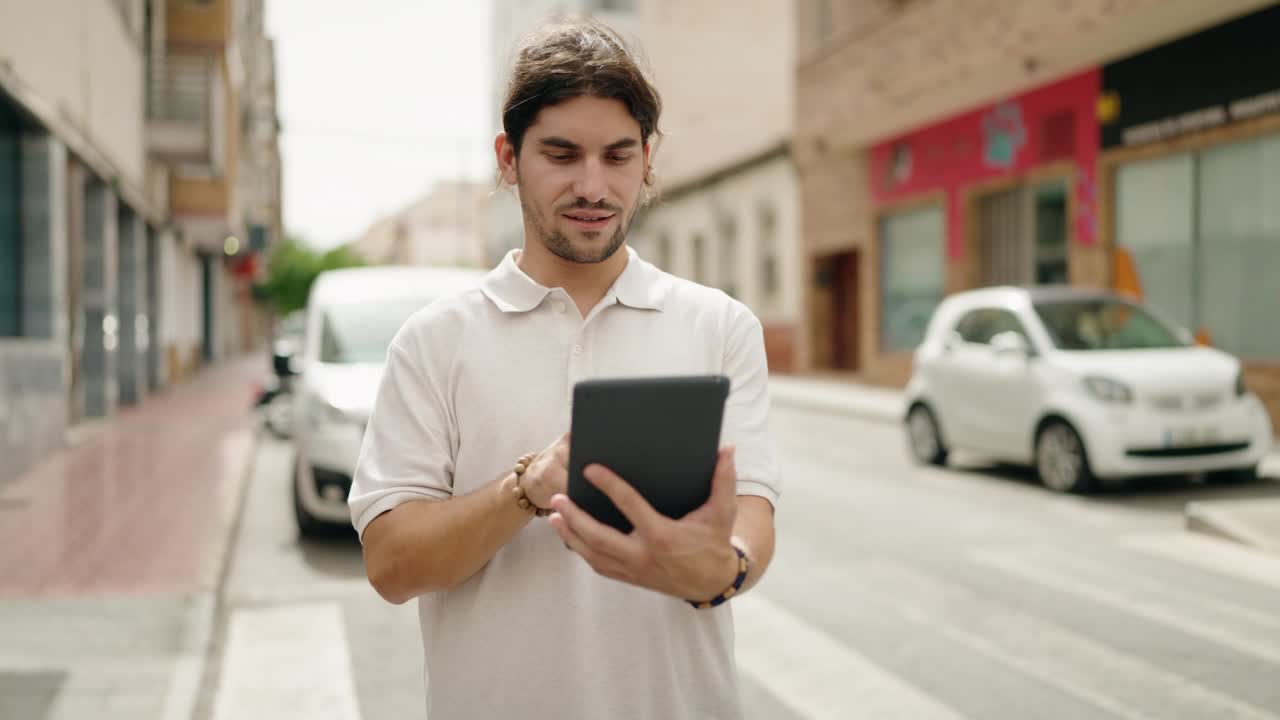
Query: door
[[845, 317], [1022, 234]]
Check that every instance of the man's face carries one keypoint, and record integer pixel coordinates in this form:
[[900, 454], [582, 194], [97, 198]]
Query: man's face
[[580, 172]]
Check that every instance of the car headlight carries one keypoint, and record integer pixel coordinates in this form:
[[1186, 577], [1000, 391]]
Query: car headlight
[[1241, 388], [1108, 390]]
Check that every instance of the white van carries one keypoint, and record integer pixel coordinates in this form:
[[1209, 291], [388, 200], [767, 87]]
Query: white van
[[352, 314]]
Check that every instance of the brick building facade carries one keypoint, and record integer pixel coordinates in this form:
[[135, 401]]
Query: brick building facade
[[949, 144]]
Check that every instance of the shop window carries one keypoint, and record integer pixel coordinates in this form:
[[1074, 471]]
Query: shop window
[[10, 224], [1238, 252], [912, 275], [1203, 233]]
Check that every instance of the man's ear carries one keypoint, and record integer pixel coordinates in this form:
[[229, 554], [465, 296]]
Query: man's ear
[[506, 156]]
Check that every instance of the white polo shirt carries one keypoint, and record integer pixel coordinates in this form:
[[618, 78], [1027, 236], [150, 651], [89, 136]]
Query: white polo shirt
[[475, 380]]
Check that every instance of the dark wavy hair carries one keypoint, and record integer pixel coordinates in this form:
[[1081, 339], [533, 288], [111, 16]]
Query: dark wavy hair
[[572, 59]]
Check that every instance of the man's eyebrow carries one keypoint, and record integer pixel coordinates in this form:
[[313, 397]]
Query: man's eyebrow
[[566, 144]]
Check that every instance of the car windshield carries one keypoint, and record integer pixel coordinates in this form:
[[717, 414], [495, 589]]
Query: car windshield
[[357, 332], [1104, 324]]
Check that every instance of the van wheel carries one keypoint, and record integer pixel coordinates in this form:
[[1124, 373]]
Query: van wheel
[[1061, 459], [924, 437], [309, 526]]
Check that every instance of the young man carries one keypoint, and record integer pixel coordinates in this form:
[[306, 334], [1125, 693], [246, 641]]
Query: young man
[[529, 607]]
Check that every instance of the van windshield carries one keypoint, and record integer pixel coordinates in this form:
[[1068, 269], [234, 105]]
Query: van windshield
[[361, 332]]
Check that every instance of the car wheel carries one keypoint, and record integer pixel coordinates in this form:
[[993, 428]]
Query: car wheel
[[1061, 459], [309, 526], [924, 437], [1235, 476]]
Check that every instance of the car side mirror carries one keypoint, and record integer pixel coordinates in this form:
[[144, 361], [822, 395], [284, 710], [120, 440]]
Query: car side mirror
[[282, 363], [1011, 343]]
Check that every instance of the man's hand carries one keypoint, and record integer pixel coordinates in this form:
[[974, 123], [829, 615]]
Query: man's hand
[[548, 473], [689, 558]]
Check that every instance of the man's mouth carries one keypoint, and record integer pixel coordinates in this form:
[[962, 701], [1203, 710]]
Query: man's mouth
[[589, 220]]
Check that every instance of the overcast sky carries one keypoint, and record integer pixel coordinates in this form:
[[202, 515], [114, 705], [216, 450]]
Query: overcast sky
[[378, 99]]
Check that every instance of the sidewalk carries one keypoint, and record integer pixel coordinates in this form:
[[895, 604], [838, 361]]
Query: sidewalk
[[1254, 521], [111, 551]]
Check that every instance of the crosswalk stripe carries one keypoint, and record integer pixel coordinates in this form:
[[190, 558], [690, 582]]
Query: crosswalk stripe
[[817, 676], [1120, 683], [1208, 553], [287, 661], [1065, 580]]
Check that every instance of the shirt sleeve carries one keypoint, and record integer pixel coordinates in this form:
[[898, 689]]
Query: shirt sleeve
[[408, 449], [746, 413]]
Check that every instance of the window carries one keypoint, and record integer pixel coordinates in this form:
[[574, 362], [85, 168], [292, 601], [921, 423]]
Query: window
[[729, 256], [979, 326], [1203, 231], [769, 254], [912, 275], [663, 251], [699, 259], [10, 223], [1103, 325]]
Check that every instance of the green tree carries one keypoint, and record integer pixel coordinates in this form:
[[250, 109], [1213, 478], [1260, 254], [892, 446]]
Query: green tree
[[293, 267]]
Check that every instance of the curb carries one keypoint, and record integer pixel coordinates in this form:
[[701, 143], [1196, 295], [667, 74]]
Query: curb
[[1206, 519], [192, 677]]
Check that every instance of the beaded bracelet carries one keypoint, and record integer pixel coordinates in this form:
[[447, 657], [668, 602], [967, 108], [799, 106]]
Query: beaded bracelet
[[522, 498], [743, 566]]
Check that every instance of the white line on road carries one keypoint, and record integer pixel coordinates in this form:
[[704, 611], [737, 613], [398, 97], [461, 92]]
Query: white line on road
[[1062, 579], [1124, 685], [287, 661], [816, 675], [1218, 556]]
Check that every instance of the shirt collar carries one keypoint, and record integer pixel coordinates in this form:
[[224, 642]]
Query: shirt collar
[[641, 285]]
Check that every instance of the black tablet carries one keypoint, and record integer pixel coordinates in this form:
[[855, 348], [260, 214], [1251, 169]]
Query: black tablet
[[660, 434]]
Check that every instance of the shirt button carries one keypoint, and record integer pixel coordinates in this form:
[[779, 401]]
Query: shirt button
[[577, 349], [559, 306]]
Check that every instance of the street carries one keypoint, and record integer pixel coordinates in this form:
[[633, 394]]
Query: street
[[896, 592]]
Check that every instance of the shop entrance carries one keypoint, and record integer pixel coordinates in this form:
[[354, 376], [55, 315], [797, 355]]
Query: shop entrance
[[1022, 234]]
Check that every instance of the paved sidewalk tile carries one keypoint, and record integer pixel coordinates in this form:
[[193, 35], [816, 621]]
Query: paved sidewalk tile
[[134, 507]]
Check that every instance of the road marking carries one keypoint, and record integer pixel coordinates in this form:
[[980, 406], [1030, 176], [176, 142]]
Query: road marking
[[1218, 556], [1032, 569], [817, 676], [1120, 683], [287, 661]]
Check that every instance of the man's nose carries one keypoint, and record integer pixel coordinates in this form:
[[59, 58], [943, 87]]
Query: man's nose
[[590, 183]]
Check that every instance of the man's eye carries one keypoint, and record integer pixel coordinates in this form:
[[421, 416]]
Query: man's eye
[[560, 158], [619, 158]]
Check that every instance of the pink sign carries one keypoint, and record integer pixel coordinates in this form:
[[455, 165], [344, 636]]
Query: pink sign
[[1053, 123]]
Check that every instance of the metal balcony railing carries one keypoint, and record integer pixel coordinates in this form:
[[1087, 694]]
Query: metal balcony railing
[[180, 89]]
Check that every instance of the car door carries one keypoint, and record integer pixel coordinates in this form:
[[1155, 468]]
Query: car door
[[953, 370], [1004, 384]]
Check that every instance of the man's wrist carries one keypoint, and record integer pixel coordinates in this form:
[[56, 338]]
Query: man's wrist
[[728, 564]]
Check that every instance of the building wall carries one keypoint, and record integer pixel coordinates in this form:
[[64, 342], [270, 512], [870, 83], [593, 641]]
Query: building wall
[[80, 63], [874, 72], [754, 206], [723, 100], [899, 65]]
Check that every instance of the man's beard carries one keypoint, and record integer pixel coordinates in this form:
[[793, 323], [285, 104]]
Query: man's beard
[[560, 245]]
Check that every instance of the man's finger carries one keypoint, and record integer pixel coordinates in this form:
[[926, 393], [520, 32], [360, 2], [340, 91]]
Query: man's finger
[[595, 535], [628, 500]]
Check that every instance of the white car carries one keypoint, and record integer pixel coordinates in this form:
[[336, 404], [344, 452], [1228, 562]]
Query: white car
[[352, 314], [1083, 385]]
